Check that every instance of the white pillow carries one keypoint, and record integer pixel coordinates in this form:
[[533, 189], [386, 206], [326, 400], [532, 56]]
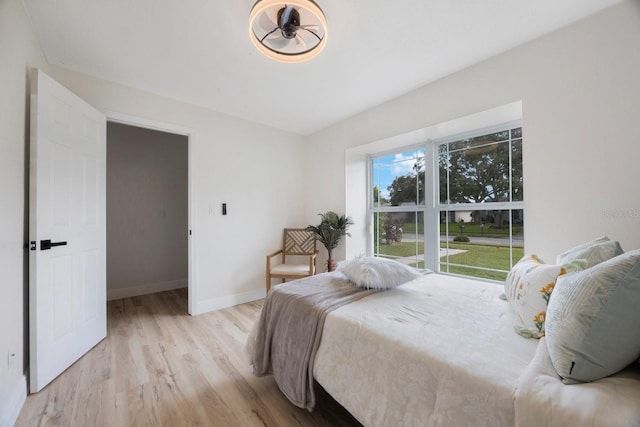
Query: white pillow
[[378, 273], [528, 288], [593, 318], [595, 252]]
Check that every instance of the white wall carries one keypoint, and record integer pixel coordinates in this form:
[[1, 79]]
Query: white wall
[[580, 94], [19, 50], [258, 171], [147, 215]]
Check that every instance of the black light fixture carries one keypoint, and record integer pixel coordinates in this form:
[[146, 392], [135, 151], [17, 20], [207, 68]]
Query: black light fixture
[[292, 31]]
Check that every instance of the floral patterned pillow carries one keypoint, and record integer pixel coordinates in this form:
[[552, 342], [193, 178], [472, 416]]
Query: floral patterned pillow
[[528, 289]]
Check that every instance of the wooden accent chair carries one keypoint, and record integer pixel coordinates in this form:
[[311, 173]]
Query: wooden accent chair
[[296, 243]]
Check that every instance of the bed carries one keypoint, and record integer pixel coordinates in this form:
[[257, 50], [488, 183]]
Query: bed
[[441, 350]]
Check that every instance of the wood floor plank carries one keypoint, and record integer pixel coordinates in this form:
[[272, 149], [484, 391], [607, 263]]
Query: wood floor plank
[[159, 366]]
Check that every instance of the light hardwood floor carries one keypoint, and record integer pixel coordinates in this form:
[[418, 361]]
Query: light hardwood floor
[[159, 366]]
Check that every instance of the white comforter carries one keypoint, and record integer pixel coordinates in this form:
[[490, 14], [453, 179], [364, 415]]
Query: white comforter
[[438, 351], [541, 399]]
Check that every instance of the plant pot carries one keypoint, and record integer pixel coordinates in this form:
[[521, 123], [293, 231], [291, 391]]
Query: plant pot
[[331, 265]]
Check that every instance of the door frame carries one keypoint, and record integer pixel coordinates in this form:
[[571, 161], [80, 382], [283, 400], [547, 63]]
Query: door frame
[[127, 119]]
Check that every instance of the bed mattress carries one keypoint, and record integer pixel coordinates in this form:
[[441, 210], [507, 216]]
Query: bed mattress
[[437, 351]]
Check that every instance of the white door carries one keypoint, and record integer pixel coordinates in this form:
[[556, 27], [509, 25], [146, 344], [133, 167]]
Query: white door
[[67, 281]]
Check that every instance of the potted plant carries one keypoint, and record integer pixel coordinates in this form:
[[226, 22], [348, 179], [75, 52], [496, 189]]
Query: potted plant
[[329, 232]]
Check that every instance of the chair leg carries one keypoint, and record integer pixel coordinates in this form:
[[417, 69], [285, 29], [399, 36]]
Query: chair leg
[[268, 274]]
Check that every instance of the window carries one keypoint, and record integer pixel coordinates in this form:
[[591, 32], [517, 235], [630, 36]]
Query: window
[[476, 203], [397, 205], [480, 203]]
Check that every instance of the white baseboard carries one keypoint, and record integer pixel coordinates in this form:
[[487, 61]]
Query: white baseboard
[[229, 301], [133, 291], [10, 409]]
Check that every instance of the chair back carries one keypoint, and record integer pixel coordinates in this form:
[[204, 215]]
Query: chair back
[[298, 241]]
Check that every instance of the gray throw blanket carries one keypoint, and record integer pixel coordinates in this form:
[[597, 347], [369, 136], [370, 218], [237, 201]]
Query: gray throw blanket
[[290, 327]]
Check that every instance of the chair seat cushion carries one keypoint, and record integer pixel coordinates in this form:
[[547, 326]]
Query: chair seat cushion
[[291, 269]]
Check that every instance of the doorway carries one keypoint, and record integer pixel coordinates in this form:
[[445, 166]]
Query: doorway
[[148, 211]]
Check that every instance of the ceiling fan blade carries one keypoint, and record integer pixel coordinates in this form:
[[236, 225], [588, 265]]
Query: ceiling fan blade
[[275, 33], [266, 23], [270, 35], [300, 43], [279, 43], [310, 37]]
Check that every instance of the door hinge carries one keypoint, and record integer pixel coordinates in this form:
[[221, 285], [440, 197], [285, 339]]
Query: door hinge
[[32, 245]]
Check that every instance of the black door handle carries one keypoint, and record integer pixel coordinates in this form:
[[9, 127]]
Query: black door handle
[[48, 244]]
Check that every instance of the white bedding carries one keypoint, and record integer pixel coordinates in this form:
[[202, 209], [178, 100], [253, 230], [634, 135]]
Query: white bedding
[[438, 351], [541, 399]]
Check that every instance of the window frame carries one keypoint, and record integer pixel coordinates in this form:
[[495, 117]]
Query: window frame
[[372, 210], [432, 208]]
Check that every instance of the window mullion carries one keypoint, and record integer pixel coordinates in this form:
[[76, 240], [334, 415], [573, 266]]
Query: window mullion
[[431, 223]]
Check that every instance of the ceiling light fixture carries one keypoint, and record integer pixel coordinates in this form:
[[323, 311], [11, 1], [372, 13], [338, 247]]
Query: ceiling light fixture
[[291, 31]]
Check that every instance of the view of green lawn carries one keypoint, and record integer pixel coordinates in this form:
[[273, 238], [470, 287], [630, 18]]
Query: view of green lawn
[[402, 249], [495, 257], [478, 230], [475, 255], [470, 229]]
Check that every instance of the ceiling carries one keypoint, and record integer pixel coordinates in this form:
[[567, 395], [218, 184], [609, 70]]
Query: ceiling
[[199, 51]]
